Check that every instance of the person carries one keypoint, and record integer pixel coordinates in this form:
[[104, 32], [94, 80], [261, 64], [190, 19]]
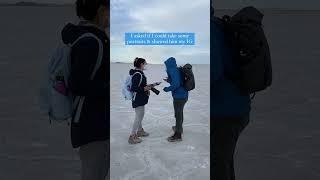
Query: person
[[91, 134], [229, 108], [179, 94], [140, 99]]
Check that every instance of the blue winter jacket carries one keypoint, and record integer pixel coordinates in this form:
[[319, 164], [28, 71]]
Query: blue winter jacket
[[226, 100], [175, 80]]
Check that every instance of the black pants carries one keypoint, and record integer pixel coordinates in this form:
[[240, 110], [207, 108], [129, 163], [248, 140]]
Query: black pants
[[226, 132], [178, 105]]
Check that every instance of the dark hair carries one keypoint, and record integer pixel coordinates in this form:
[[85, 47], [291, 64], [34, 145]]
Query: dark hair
[[88, 9], [138, 61]]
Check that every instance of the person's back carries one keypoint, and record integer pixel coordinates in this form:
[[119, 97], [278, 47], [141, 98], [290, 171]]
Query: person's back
[[90, 132], [93, 119], [229, 109], [226, 100], [175, 80]]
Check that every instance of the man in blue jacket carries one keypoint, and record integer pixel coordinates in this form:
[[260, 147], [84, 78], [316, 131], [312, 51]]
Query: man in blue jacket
[[179, 94], [229, 109]]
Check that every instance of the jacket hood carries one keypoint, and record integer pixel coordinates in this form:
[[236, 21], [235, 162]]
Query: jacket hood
[[171, 63], [132, 71], [71, 32], [249, 14]]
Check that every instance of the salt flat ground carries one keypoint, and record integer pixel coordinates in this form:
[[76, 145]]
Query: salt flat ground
[[155, 158]]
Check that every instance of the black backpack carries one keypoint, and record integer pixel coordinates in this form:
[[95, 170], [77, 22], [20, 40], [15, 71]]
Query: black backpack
[[187, 77], [245, 34]]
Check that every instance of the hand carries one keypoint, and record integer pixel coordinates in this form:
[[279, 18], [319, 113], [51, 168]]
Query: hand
[[148, 93], [147, 88], [165, 89]]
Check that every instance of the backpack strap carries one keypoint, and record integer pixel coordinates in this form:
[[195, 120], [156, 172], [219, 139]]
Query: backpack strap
[[80, 100], [134, 94], [100, 55], [180, 71], [140, 77]]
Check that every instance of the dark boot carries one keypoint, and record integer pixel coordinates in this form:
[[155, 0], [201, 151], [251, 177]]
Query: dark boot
[[175, 138]]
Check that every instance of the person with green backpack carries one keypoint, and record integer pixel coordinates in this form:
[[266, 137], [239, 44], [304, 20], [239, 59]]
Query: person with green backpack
[[180, 84]]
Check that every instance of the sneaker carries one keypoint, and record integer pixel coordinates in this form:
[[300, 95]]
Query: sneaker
[[134, 139], [175, 138], [142, 133], [174, 129]]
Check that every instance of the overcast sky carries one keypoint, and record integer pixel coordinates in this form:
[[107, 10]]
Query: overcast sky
[[161, 16]]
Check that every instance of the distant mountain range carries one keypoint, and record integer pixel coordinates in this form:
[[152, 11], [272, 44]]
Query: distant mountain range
[[35, 4]]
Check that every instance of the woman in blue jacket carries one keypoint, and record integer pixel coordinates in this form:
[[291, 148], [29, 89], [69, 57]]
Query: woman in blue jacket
[[179, 94]]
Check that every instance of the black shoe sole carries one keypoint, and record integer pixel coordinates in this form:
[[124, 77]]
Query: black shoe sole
[[174, 140]]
